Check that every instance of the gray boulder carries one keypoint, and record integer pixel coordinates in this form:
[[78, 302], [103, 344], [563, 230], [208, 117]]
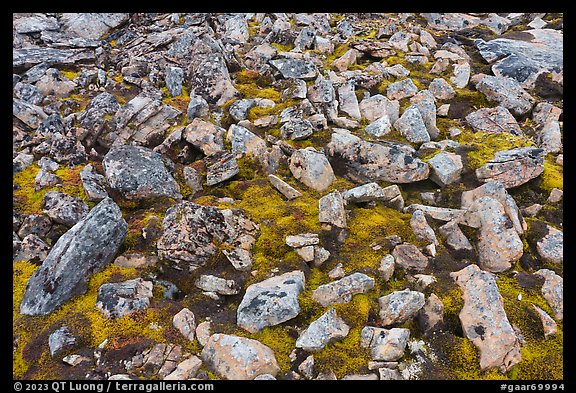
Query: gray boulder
[[174, 79], [390, 196], [399, 306], [407, 256], [116, 300], [87, 247], [341, 291], [411, 126], [368, 161], [311, 168], [61, 339], [139, 173], [270, 302], [94, 184], [221, 168], [385, 344], [205, 136], [484, 319], [401, 89], [551, 246], [328, 328], [376, 106], [497, 119], [295, 68], [507, 92], [91, 25], [446, 168], [63, 208], [513, 167]]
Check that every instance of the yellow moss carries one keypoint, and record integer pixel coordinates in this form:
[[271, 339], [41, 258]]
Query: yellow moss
[[486, 144], [81, 99], [278, 339], [179, 102], [345, 356], [283, 47], [474, 97], [252, 90], [70, 74], [553, 175]]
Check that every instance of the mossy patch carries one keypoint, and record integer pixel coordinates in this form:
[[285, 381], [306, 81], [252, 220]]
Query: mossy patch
[[553, 175]]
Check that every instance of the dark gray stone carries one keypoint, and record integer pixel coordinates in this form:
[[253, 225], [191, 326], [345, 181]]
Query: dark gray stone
[[63, 208]]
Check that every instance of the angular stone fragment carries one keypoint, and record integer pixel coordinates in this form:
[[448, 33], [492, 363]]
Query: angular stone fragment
[[376, 106], [192, 234], [341, 291], [270, 302], [87, 247], [238, 358], [221, 286], [302, 240], [461, 75], [454, 237], [385, 344], [441, 89], [244, 141], [312, 168], [348, 102], [431, 316], [60, 339], [401, 89], [484, 319], [94, 184], [30, 114], [296, 129], [446, 168], [553, 291], [497, 119], [399, 306], [63, 208], [91, 25], [185, 370], [295, 68], [409, 257], [328, 328], [185, 322], [285, 189], [346, 60], [411, 126], [550, 137], [331, 210], [507, 92], [205, 136], [116, 300], [551, 246], [391, 195], [368, 161], [32, 249], [513, 167], [379, 127], [225, 167], [386, 268], [139, 173]]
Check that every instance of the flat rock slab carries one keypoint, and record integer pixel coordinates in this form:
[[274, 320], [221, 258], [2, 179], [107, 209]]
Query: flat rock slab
[[385, 344], [192, 234], [408, 256], [223, 168], [238, 358], [497, 119], [368, 161], [312, 168], [29, 57], [87, 247], [328, 328], [513, 167], [446, 168], [507, 92], [270, 302], [484, 319], [91, 25], [116, 300], [139, 173], [390, 196], [341, 291], [285, 189]]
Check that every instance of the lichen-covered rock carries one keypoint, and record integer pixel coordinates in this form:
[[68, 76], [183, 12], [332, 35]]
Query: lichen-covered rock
[[238, 358], [513, 167], [409, 257], [553, 291], [422, 228], [185, 322], [506, 92], [390, 196], [63, 208], [446, 168], [551, 246], [341, 291], [205, 136], [368, 161], [270, 302], [331, 210], [91, 25], [219, 285], [376, 106], [60, 339], [328, 328], [497, 119], [32, 248], [312, 168], [385, 344], [221, 168], [87, 247], [193, 233], [285, 189], [185, 370], [411, 126], [401, 89], [484, 319], [94, 184], [116, 300], [399, 306], [431, 316], [441, 89], [139, 173], [295, 68]]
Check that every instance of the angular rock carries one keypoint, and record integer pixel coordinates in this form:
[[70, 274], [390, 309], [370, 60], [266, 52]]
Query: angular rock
[[45, 179], [225, 167], [221, 286], [346, 60], [507, 92], [553, 291], [32, 249], [331, 210], [551, 246], [302, 240], [94, 184], [550, 137], [270, 302], [348, 102], [238, 358], [461, 75], [87, 247], [386, 268], [441, 89], [411, 126], [454, 237], [484, 319], [385, 344], [285, 189], [555, 196], [30, 114], [376, 106], [197, 107], [91, 25], [513, 167], [63, 208], [185, 322], [328, 328], [379, 127], [28, 57], [422, 228], [312, 168], [409, 257], [174, 78], [498, 243], [116, 300], [341, 291], [296, 129], [192, 234], [185, 370], [446, 168], [391, 195], [61, 339], [193, 179], [401, 89], [431, 316], [544, 112], [136, 260], [399, 306], [497, 119], [295, 68], [139, 173], [205, 136], [369, 161], [36, 224], [54, 83]]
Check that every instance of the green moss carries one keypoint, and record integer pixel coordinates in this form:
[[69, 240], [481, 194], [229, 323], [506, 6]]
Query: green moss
[[476, 99], [553, 175], [345, 356], [279, 340], [283, 47], [70, 74], [252, 90], [486, 144], [179, 102]]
